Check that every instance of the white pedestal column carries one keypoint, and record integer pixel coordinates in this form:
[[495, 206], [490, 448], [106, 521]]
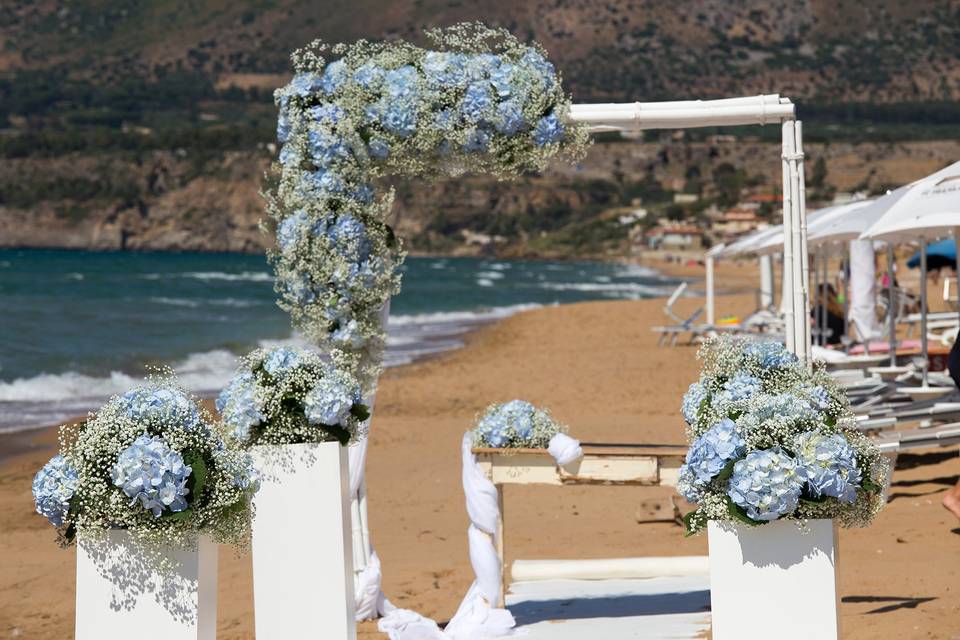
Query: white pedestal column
[[774, 580], [121, 594], [302, 550]]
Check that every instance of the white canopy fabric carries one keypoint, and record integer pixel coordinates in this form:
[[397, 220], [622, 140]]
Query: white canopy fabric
[[744, 245], [818, 231], [928, 208], [774, 242], [863, 290], [850, 227]]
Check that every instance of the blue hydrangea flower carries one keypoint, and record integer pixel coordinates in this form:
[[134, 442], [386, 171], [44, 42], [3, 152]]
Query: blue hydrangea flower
[[401, 83], [369, 76], [379, 148], [480, 66], [478, 140], [242, 472], [510, 118], [692, 400], [161, 405], [400, 119], [53, 487], [766, 484], [300, 290], [327, 113], [347, 335], [326, 148], [283, 127], [280, 360], [771, 355], [329, 402], [687, 485], [290, 231], [819, 398], [334, 76], [519, 415], [303, 84], [711, 452], [363, 194], [829, 465], [326, 182], [288, 155], [238, 405], [493, 429], [442, 69], [477, 102], [502, 80], [742, 386], [549, 129], [543, 67], [784, 405], [153, 474]]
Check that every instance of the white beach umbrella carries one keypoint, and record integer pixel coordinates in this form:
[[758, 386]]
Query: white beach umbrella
[[924, 210], [843, 216], [773, 243], [743, 246]]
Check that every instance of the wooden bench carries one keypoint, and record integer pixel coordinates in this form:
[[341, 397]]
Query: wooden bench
[[601, 464]]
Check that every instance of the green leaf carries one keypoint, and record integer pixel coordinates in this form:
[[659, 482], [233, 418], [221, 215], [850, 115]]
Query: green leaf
[[831, 421], [737, 513], [689, 525], [197, 479], [360, 412], [727, 470], [186, 514], [339, 433]]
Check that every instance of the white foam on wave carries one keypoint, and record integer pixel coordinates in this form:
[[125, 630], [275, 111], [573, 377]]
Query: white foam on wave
[[175, 302], [484, 282], [48, 398], [208, 276], [615, 289]]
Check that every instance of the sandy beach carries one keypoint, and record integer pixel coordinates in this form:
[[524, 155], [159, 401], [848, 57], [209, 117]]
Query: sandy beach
[[596, 366]]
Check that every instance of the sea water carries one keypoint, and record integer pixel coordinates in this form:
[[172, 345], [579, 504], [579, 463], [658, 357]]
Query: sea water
[[77, 327]]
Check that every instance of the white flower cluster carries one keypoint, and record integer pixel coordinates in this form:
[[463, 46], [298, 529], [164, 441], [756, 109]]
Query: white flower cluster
[[288, 395], [771, 439], [515, 424], [153, 462], [479, 101]]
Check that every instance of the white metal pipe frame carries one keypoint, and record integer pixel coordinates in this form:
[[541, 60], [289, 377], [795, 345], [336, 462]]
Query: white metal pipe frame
[[750, 110]]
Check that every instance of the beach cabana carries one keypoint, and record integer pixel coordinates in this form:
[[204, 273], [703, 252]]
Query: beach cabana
[[927, 209]]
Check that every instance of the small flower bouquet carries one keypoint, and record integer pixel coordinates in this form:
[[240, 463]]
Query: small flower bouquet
[[150, 462], [771, 439], [516, 424], [286, 395]]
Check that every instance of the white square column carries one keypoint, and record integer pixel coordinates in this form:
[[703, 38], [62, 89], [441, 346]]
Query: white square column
[[123, 594], [302, 547], [774, 580]]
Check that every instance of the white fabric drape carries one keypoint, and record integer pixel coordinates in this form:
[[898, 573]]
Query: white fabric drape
[[478, 617], [863, 290]]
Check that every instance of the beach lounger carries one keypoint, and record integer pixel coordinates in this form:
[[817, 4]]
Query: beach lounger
[[942, 436]]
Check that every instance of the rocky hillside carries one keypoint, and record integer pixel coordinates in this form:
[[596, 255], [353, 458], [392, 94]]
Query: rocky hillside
[[147, 124]]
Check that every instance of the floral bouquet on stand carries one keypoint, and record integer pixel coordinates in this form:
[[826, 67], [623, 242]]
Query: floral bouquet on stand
[[146, 487], [287, 395], [517, 425], [771, 439]]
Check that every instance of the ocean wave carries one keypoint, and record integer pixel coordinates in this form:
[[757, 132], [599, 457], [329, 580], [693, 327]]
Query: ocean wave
[[175, 302], [457, 317], [609, 289], [207, 276], [491, 275], [484, 282]]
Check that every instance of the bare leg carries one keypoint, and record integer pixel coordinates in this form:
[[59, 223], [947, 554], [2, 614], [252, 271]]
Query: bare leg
[[952, 500]]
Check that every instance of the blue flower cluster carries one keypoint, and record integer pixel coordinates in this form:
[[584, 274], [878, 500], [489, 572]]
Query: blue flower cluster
[[53, 487], [766, 484], [511, 421], [742, 386], [153, 474], [161, 405], [785, 406], [711, 452], [771, 355], [330, 401], [239, 406], [692, 400], [829, 465], [280, 360], [819, 398]]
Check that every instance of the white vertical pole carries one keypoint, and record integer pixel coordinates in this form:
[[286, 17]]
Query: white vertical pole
[[956, 267], [788, 280], [766, 282], [846, 293], [710, 302], [891, 307], [802, 310], [924, 350]]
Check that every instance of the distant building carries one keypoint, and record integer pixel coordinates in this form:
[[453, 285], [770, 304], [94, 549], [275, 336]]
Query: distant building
[[676, 237], [735, 222], [685, 198]]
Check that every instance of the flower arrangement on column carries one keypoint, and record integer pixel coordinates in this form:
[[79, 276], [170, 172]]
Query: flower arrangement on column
[[153, 463], [353, 115], [287, 395], [771, 439], [146, 488]]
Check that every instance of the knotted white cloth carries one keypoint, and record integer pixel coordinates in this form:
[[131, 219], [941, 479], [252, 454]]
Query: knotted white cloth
[[477, 618]]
